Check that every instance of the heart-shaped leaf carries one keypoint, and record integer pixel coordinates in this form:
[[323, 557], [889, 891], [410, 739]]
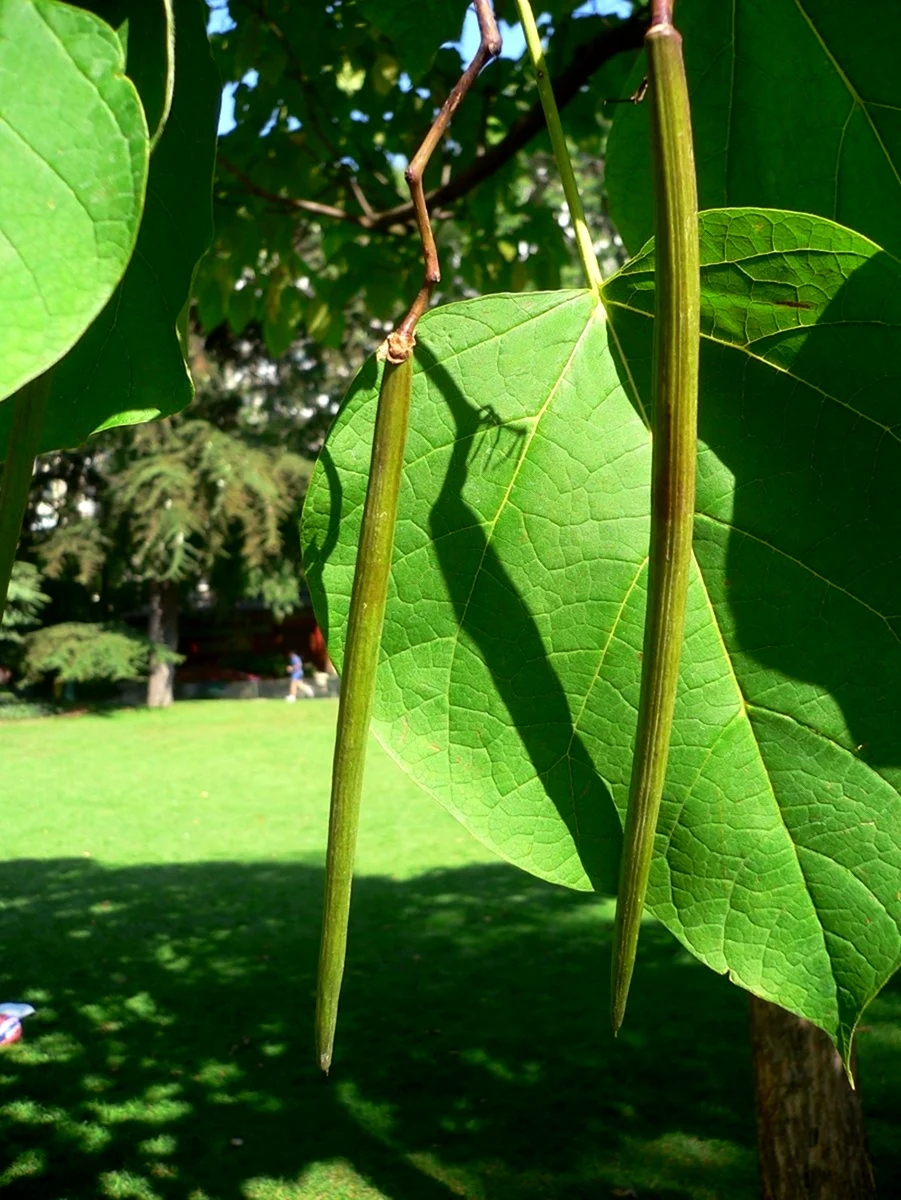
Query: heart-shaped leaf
[[129, 365], [73, 169], [511, 655], [794, 105]]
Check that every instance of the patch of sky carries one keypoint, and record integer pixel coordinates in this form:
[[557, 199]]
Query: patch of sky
[[514, 43], [227, 120], [291, 123], [220, 18], [512, 35], [604, 8]]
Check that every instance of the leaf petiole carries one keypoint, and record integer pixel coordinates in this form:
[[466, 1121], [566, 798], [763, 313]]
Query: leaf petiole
[[561, 152]]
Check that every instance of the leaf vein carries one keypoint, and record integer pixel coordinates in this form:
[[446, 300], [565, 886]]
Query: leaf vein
[[804, 566], [852, 90], [746, 350]]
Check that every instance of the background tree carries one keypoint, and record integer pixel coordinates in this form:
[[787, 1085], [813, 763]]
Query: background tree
[[314, 220], [209, 497], [24, 603], [305, 277]]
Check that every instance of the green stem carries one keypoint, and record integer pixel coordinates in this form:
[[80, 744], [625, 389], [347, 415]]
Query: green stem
[[561, 151], [29, 407], [676, 351], [364, 633]]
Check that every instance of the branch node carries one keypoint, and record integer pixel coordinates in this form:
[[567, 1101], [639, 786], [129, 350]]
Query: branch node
[[399, 345]]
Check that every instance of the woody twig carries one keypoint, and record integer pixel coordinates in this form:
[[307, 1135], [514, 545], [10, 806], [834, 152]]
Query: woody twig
[[403, 339]]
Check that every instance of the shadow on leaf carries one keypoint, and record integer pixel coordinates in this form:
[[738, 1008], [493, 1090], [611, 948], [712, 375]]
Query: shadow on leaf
[[495, 622]]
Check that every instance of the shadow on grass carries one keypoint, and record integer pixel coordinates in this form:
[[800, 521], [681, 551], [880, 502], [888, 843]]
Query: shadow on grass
[[172, 1056]]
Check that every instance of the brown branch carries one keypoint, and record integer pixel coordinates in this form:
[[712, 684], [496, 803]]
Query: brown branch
[[589, 58], [402, 340], [661, 12], [360, 197], [628, 35], [310, 206]]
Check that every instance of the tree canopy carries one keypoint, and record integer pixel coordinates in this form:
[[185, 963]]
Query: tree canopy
[[314, 221]]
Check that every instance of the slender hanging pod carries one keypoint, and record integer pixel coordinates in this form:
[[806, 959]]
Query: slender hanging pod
[[370, 587], [674, 433], [364, 635]]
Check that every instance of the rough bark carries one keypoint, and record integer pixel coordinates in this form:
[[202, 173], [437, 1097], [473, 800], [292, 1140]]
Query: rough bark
[[162, 628], [811, 1142]]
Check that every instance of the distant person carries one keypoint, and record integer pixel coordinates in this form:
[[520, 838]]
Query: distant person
[[295, 670]]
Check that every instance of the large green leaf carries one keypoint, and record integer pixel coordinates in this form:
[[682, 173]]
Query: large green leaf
[[795, 104], [73, 168], [129, 365], [511, 657]]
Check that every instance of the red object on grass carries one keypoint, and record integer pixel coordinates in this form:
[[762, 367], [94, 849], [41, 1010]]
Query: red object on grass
[[11, 1017]]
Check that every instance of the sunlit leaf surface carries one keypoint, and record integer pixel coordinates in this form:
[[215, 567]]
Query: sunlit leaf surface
[[511, 655], [73, 168]]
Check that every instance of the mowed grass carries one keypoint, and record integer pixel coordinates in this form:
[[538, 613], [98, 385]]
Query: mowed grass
[[161, 890]]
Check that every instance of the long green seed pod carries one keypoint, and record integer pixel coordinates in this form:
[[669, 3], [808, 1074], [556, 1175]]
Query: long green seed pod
[[675, 419], [29, 408], [364, 634]]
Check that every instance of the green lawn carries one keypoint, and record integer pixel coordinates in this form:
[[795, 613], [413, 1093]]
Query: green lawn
[[160, 906]]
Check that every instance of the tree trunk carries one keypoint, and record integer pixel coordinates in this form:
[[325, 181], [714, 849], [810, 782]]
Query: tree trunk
[[162, 628], [811, 1142]]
